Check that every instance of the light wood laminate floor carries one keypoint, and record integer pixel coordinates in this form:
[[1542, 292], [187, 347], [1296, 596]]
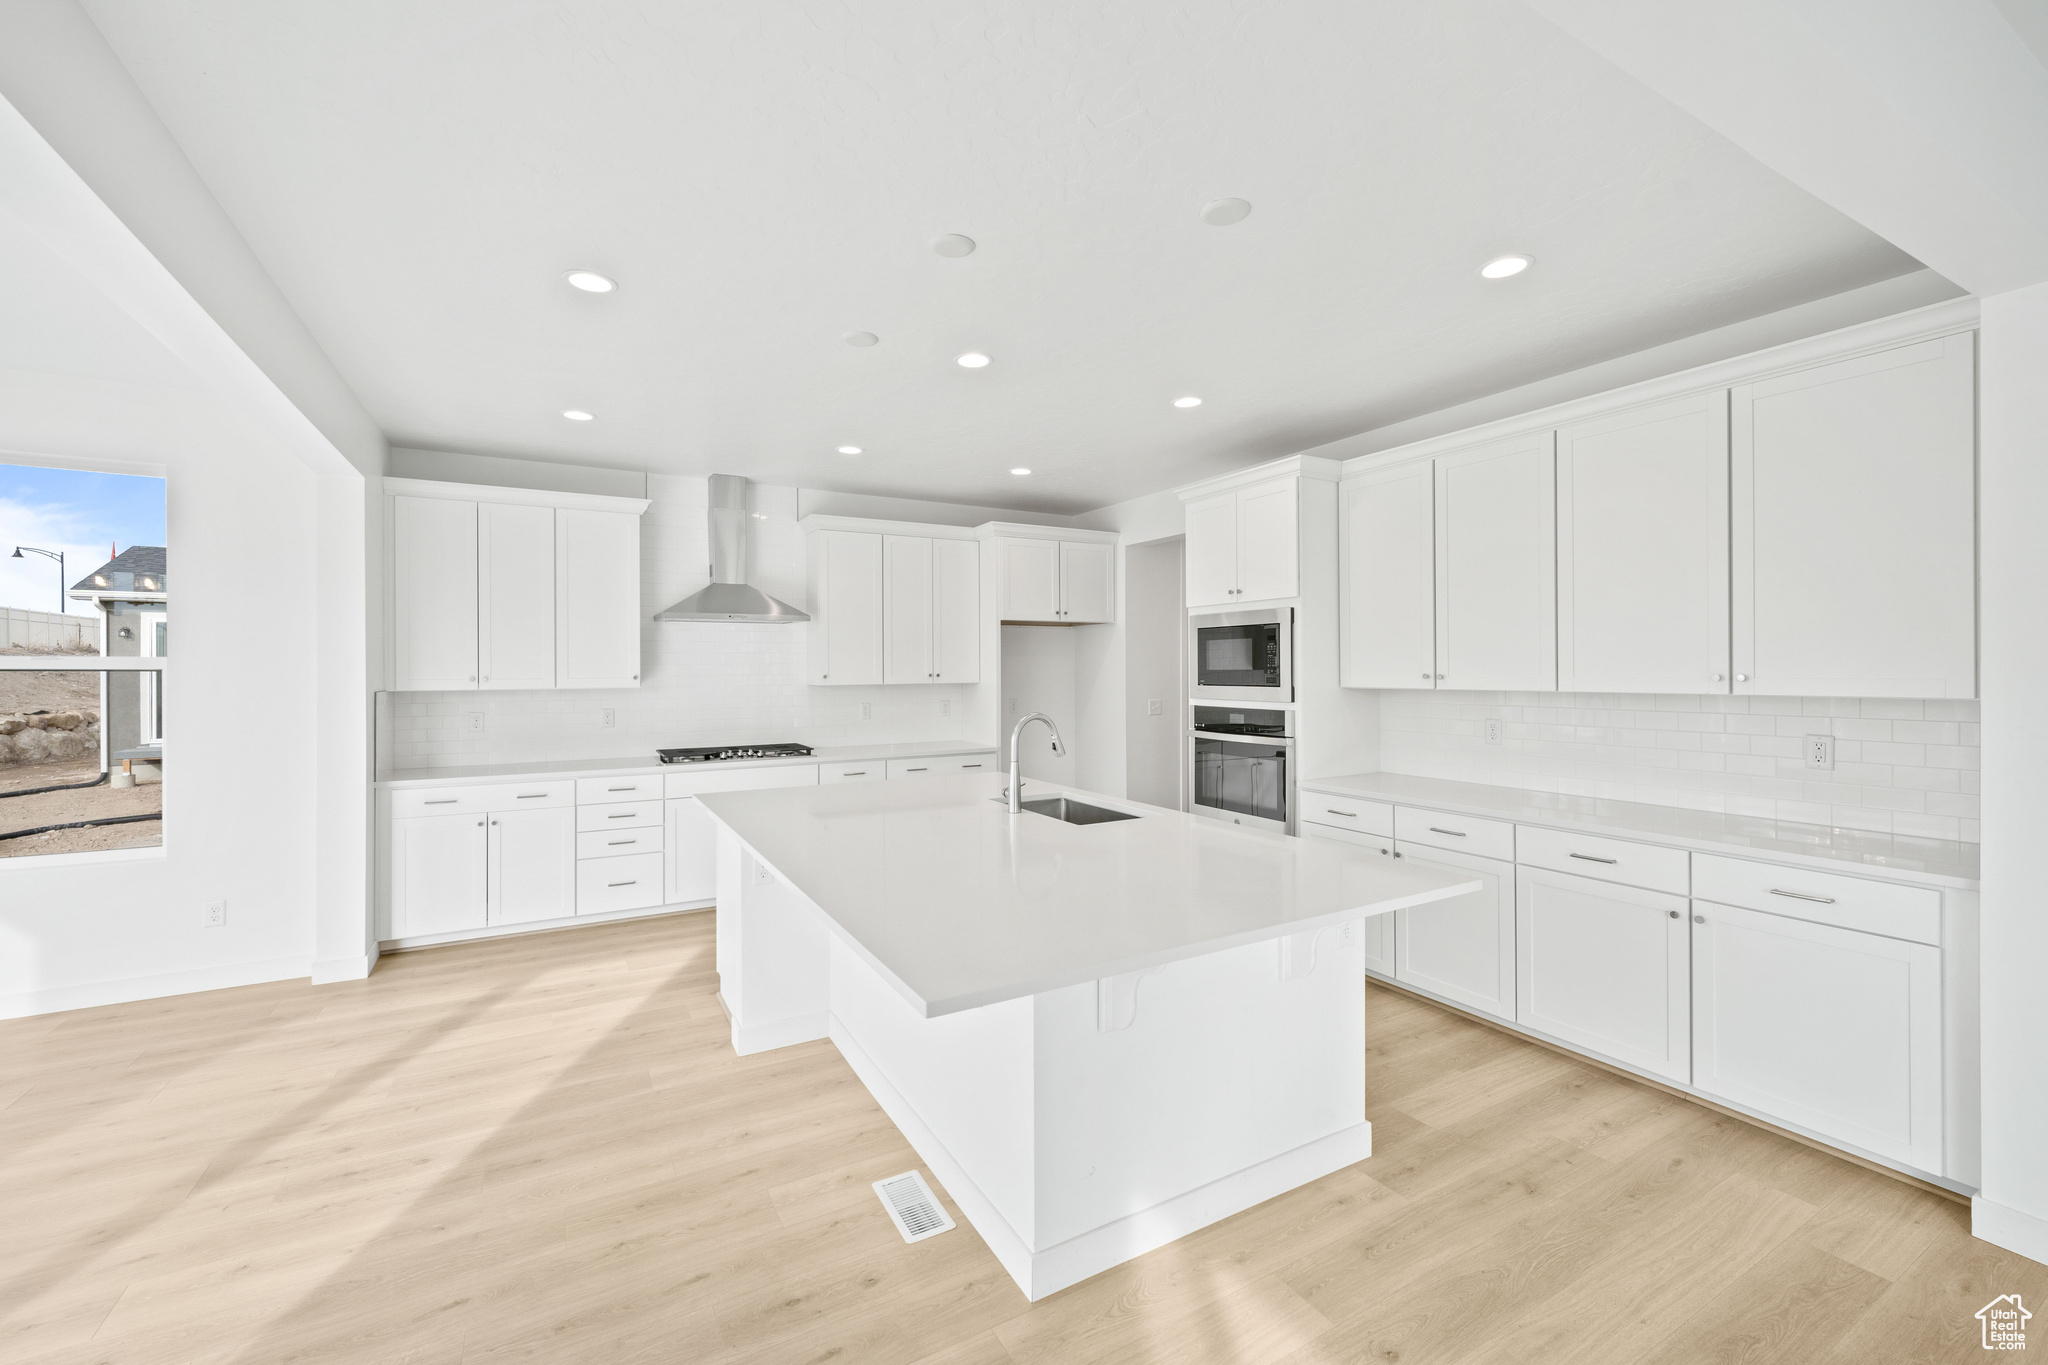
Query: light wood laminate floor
[[543, 1149]]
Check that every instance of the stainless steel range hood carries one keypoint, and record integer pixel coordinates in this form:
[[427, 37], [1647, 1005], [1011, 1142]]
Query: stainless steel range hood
[[728, 597]]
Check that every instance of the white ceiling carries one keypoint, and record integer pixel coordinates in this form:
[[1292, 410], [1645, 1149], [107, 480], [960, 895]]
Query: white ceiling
[[764, 176]]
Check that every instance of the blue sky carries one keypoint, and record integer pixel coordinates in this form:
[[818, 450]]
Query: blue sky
[[77, 513]]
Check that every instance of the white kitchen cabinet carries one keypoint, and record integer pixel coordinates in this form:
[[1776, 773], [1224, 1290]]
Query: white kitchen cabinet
[[434, 594], [1642, 550], [515, 573], [607, 885], [1606, 968], [949, 765], [1087, 582], [1854, 505], [1028, 579], [956, 611], [1244, 545], [1387, 565], [1496, 566], [597, 598], [1462, 949], [845, 646], [690, 835], [438, 883], [1377, 930], [931, 610], [866, 770], [1827, 1029], [532, 865]]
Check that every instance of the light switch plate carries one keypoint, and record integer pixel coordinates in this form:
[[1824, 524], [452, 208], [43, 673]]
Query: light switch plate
[[1819, 752], [1155, 707]]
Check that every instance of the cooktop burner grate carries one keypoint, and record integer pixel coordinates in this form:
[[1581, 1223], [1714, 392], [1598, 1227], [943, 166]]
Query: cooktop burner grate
[[730, 752]]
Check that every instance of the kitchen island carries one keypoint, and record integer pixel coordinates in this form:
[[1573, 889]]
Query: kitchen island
[[1100, 1037]]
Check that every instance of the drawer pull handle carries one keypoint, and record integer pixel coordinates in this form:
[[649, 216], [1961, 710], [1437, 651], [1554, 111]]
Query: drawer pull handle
[[634, 882], [1347, 814], [862, 773], [614, 843], [1802, 896], [623, 815], [1454, 833], [970, 765], [623, 789], [917, 770], [449, 801], [529, 796], [1587, 857]]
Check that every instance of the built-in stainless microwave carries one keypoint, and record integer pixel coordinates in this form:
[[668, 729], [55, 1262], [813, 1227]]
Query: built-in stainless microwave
[[1241, 766], [1242, 656]]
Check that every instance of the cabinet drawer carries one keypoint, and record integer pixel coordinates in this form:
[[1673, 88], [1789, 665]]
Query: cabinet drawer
[[875, 770], [1607, 860], [1459, 833], [1908, 912], [497, 796], [591, 790], [615, 843], [740, 780], [620, 815], [629, 883], [1344, 812], [951, 763]]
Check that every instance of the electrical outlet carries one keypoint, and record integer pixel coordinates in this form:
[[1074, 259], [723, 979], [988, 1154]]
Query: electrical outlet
[[1820, 752], [867, 710], [945, 708], [762, 874], [476, 721], [1492, 731], [610, 717], [1014, 708], [1155, 707], [217, 915]]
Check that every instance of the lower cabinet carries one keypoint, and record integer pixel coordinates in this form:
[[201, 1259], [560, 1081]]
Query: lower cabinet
[[629, 882], [532, 865], [1462, 949], [1606, 968], [1378, 930], [690, 836], [438, 884], [1832, 1030]]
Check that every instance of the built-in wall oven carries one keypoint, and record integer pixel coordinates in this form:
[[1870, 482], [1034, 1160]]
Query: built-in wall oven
[[1242, 766], [1242, 656]]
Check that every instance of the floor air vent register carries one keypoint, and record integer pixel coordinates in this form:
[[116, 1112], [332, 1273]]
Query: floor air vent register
[[912, 1207]]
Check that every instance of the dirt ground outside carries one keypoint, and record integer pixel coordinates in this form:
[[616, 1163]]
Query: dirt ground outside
[[47, 691], [62, 807]]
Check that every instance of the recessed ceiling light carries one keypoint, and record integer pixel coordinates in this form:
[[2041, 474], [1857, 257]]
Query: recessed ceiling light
[[576, 414], [1501, 267], [973, 360], [1020, 473], [860, 338], [1224, 212], [590, 282], [953, 244], [1188, 402], [849, 450]]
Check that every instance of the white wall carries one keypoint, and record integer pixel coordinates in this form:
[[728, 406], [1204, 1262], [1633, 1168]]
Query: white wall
[[701, 683], [1039, 675], [1155, 747]]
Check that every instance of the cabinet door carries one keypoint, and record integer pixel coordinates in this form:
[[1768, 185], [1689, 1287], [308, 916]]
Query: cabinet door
[[956, 611], [906, 609], [1211, 550], [1828, 1029], [1606, 968], [1642, 550], [597, 598], [1377, 930], [437, 874], [532, 865], [846, 608], [434, 594], [1388, 578], [1269, 540], [690, 846], [1029, 571], [1854, 519], [515, 596], [1087, 582], [1462, 949], [1496, 566]]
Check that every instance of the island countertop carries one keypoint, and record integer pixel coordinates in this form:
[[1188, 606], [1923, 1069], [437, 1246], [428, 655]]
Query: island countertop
[[959, 904]]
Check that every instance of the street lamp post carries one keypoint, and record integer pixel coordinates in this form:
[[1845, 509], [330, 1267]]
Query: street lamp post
[[48, 554]]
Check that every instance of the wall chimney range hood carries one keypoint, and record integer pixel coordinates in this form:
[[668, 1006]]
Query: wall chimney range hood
[[728, 597]]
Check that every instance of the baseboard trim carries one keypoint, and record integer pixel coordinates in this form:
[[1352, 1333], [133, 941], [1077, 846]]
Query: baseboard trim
[[2021, 1233], [1042, 1273], [747, 1039], [334, 969], [1818, 1144], [91, 995], [539, 926]]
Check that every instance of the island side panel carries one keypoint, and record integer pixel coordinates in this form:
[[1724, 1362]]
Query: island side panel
[[771, 953]]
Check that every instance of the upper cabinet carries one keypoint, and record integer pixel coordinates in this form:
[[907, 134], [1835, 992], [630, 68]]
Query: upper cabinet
[[1854, 499], [846, 606], [1051, 575], [1244, 543], [1387, 563], [892, 602], [1496, 566], [1642, 549], [503, 588]]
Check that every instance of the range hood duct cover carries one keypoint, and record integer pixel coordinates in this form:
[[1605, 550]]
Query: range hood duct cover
[[728, 597]]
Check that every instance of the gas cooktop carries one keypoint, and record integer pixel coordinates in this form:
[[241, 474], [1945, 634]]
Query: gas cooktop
[[728, 754]]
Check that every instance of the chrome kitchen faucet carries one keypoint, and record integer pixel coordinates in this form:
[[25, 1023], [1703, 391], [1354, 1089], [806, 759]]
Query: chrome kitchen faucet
[[1016, 790]]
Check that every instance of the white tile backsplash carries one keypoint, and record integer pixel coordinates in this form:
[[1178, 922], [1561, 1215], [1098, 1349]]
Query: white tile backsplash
[[1904, 767], [700, 683]]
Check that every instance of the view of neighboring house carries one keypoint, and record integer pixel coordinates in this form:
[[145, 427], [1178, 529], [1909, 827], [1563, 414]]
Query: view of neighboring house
[[128, 594]]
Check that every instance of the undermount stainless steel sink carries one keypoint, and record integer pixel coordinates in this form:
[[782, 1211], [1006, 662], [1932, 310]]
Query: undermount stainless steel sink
[[1076, 812]]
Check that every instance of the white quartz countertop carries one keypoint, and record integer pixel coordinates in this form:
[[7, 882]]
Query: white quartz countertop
[[611, 767], [1931, 862], [960, 904]]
